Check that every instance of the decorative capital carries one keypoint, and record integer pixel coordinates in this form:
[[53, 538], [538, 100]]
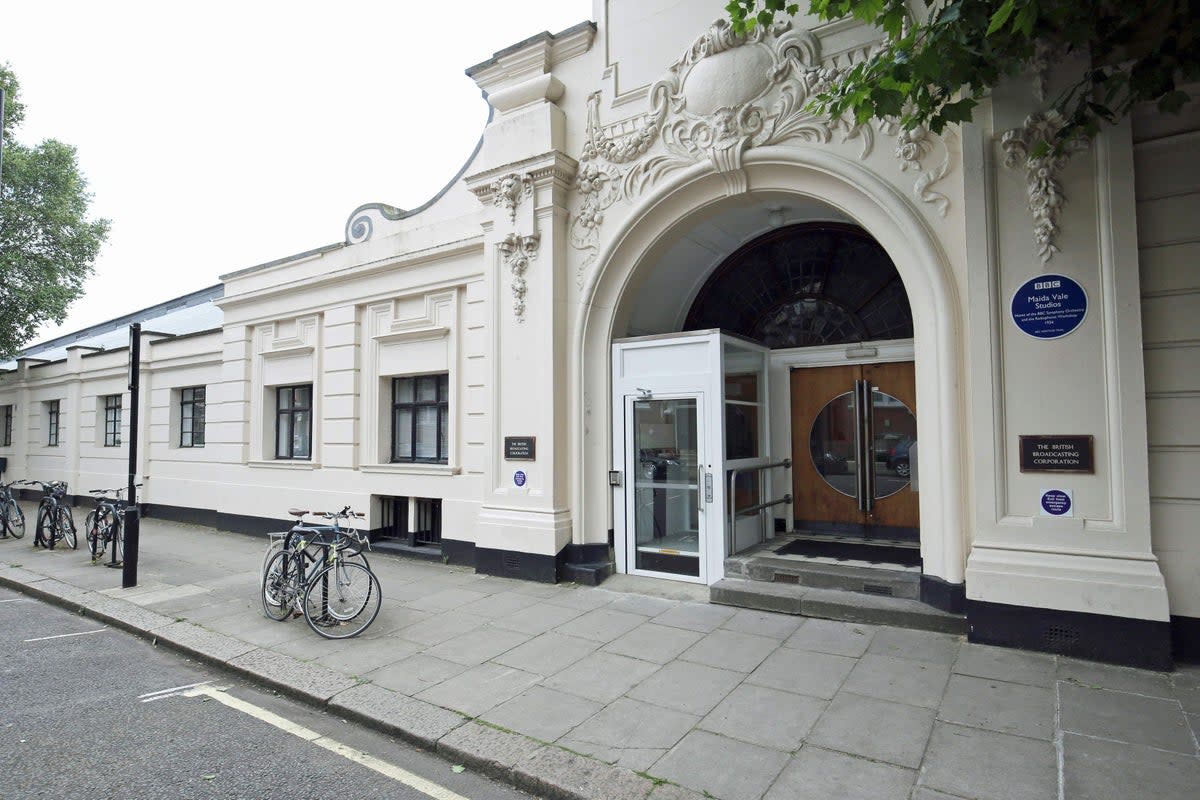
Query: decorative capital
[[507, 191]]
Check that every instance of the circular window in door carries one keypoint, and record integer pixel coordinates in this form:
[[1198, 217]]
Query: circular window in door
[[835, 450], [832, 445]]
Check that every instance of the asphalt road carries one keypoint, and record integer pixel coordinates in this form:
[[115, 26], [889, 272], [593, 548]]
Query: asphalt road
[[84, 715]]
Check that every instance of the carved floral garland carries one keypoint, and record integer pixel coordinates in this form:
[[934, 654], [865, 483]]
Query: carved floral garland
[[518, 251], [696, 115]]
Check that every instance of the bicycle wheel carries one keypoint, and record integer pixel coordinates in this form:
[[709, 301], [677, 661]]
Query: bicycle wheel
[[65, 527], [117, 539], [342, 600], [41, 531], [98, 530], [14, 519], [280, 586]]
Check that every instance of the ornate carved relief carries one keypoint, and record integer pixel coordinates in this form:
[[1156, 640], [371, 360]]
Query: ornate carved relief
[[518, 251], [726, 94], [507, 192], [1046, 195]]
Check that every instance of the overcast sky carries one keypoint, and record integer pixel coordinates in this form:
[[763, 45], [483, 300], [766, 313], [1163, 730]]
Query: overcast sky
[[220, 135]]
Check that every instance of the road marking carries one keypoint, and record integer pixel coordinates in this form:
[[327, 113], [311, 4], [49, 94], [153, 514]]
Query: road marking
[[384, 768], [65, 635], [174, 691]]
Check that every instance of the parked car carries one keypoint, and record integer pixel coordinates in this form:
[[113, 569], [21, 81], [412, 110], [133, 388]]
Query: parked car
[[897, 456]]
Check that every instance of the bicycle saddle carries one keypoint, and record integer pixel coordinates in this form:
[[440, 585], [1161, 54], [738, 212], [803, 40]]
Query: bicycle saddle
[[297, 512]]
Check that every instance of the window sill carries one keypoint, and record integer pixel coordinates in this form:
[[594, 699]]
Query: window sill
[[284, 463], [411, 469]]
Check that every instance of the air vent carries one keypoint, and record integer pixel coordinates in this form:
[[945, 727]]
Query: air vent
[[512, 562], [876, 588], [781, 577], [1060, 638]]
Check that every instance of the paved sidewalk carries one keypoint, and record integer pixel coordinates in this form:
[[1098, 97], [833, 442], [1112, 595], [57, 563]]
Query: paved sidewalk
[[641, 689]]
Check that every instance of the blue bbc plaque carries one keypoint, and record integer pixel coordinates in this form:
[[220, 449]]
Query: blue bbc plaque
[[1049, 306]]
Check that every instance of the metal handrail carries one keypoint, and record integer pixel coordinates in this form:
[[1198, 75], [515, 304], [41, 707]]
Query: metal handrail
[[734, 513]]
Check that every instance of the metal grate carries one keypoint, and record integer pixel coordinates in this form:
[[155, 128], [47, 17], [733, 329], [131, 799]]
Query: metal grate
[[877, 588], [512, 561], [426, 527], [781, 577], [1060, 638]]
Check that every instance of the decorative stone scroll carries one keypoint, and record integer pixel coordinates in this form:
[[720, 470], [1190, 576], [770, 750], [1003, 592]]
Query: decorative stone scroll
[[1046, 195], [726, 94], [518, 251]]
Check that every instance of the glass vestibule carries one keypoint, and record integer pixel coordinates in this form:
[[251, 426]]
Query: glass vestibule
[[687, 410]]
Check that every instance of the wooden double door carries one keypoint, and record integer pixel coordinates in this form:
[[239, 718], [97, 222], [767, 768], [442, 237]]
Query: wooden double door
[[854, 434]]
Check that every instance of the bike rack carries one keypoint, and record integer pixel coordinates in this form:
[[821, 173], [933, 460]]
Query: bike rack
[[749, 511]]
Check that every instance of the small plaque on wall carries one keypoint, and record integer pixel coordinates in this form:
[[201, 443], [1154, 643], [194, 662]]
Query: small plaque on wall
[[1057, 454], [520, 448]]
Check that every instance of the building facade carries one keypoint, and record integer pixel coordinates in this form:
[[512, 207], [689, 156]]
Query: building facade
[[666, 315]]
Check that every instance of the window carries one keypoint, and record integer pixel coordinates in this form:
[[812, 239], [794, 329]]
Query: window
[[6, 416], [191, 417], [52, 423], [293, 424], [421, 418], [112, 420]]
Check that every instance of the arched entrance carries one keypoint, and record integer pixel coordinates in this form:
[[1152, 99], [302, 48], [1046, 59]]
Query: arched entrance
[[626, 265]]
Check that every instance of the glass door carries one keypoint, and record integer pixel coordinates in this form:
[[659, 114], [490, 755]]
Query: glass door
[[664, 456]]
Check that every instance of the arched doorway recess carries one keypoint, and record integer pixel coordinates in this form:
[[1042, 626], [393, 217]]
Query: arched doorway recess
[[692, 195]]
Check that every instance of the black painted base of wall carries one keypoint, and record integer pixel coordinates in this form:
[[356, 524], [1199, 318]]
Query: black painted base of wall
[[1097, 637], [943, 595], [1185, 639], [583, 563], [458, 552], [512, 564]]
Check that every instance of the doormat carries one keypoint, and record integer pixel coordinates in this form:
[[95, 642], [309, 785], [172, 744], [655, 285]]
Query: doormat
[[853, 551]]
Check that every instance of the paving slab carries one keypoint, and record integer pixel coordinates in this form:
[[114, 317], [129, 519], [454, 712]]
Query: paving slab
[[653, 642], [818, 774], [310, 681], [477, 646], [480, 688], [537, 619], [671, 791], [628, 723], [1006, 664], [601, 624], [500, 604], [544, 714], [803, 672], [1107, 676], [696, 617], [928, 646], [547, 654], [880, 730], [441, 627], [999, 706], [1138, 719], [415, 674], [831, 636], [975, 763], [1102, 770], [682, 686], [725, 768], [899, 680], [359, 656], [421, 723], [740, 652], [768, 717], [638, 759], [763, 623], [602, 677], [642, 604]]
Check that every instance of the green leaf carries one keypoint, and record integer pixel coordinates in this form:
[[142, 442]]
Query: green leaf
[[1001, 16], [458, 769]]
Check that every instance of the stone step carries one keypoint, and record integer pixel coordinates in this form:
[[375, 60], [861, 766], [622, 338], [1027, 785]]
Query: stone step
[[822, 575], [836, 604]]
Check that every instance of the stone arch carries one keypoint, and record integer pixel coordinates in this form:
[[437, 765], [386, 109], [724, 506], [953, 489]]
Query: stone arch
[[899, 228]]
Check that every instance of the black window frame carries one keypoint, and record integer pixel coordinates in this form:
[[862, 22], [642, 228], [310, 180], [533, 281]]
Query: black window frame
[[292, 411], [6, 423], [192, 403], [413, 404], [112, 420], [53, 409]]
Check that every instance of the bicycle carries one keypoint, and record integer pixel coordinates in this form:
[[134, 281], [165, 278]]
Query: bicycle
[[54, 522], [10, 512], [313, 573], [104, 524]]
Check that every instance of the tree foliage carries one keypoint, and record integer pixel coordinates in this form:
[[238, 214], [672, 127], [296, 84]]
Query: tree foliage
[[933, 69], [47, 244]]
